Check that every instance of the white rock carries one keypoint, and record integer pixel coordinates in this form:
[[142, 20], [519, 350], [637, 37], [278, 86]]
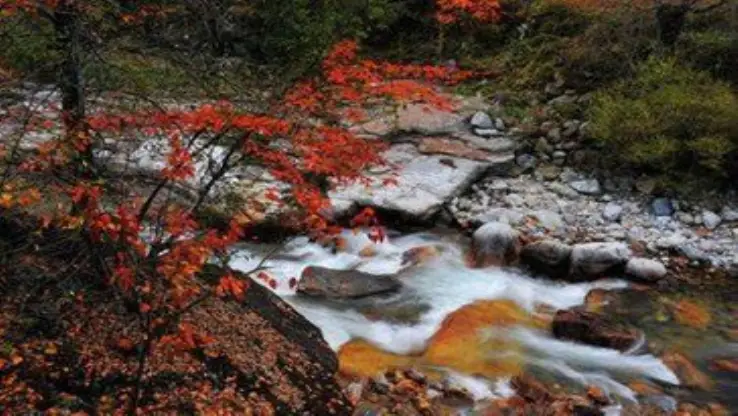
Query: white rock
[[482, 120], [548, 219], [504, 215], [729, 214], [424, 184], [586, 186], [592, 260], [612, 212], [494, 243], [499, 124], [710, 219], [514, 200], [645, 269]]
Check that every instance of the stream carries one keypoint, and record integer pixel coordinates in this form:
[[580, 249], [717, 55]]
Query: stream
[[404, 324]]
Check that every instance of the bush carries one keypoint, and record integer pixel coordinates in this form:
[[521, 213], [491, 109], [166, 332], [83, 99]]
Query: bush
[[672, 121], [27, 46], [712, 50]]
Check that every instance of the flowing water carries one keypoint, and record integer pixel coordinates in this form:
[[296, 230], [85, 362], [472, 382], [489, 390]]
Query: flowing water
[[476, 349]]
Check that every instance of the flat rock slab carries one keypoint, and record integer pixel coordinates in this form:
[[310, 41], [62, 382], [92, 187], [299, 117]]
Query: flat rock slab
[[426, 119], [344, 284], [424, 184]]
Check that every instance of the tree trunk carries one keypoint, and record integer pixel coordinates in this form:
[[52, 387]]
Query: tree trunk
[[71, 83], [671, 22]]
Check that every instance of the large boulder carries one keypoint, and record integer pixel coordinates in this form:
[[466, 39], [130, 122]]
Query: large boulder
[[344, 284], [594, 260], [548, 257], [590, 328], [495, 244]]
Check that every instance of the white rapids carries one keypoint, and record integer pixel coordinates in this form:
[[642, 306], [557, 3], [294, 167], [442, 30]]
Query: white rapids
[[444, 284]]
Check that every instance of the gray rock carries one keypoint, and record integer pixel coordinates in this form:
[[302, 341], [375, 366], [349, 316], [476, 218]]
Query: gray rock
[[500, 124], [504, 215], [548, 219], [685, 218], [514, 200], [612, 212], [482, 120], [586, 186], [563, 190], [424, 119], [563, 100], [645, 269], [671, 242], [546, 126], [526, 161], [645, 185], [710, 219], [693, 253], [593, 260], [570, 128], [549, 257], [662, 207], [729, 214], [542, 146], [495, 244], [549, 173], [487, 132], [559, 157], [554, 134], [344, 284]]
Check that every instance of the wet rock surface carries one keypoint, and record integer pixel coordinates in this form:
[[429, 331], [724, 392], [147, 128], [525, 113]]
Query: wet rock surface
[[344, 284]]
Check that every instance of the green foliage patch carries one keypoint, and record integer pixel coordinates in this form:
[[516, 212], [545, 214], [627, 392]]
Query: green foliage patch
[[671, 121]]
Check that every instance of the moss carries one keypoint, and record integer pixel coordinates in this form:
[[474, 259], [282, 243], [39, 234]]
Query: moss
[[669, 120]]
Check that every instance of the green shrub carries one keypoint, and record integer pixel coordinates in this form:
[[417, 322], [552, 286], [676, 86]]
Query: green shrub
[[671, 121], [712, 50], [27, 46]]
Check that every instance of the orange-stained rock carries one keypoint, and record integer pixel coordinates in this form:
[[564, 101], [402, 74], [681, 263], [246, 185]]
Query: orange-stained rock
[[463, 343], [691, 314], [644, 388], [687, 372], [597, 299], [726, 364], [596, 394], [359, 358]]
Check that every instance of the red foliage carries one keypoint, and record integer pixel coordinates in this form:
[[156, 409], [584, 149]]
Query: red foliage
[[485, 11], [158, 273]]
